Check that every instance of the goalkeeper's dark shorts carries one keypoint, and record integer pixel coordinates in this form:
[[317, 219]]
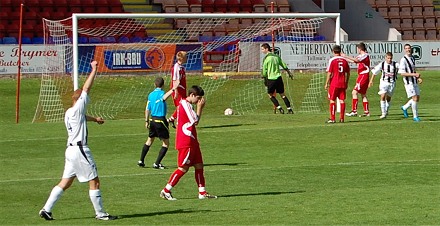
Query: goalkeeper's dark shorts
[[159, 128], [275, 85]]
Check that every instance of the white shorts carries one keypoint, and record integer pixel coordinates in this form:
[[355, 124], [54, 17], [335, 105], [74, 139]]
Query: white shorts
[[386, 88], [79, 162], [412, 90]]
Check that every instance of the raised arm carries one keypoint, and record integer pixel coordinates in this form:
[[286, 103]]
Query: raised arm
[[89, 81], [350, 59], [167, 94]]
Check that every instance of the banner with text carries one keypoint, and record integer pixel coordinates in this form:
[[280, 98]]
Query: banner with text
[[32, 59], [313, 55], [317, 55]]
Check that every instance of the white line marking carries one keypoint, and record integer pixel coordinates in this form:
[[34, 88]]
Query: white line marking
[[225, 129], [436, 162]]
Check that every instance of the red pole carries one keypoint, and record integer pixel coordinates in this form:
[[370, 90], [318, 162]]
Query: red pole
[[17, 101]]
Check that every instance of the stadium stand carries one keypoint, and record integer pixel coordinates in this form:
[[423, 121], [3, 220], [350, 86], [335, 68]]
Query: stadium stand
[[83, 40], [123, 39], [195, 6], [234, 6], [95, 40], [259, 6], [9, 40], [108, 39], [38, 40], [26, 40], [35, 10], [415, 19], [182, 6], [269, 6]]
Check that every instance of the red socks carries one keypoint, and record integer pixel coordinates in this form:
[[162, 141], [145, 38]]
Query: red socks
[[332, 111], [200, 178], [175, 177], [366, 110], [342, 116], [354, 105]]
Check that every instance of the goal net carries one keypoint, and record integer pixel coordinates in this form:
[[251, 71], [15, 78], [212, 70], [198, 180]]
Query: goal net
[[223, 51]]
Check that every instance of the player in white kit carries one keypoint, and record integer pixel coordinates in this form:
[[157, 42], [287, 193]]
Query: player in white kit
[[79, 162], [389, 69], [411, 79]]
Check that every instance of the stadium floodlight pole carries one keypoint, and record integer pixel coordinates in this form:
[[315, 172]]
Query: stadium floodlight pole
[[76, 16]]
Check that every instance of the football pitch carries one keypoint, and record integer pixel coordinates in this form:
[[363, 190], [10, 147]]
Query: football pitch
[[266, 169]]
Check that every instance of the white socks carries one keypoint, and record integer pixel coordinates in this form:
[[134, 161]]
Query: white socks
[[415, 109], [383, 107], [95, 197], [408, 104], [55, 194]]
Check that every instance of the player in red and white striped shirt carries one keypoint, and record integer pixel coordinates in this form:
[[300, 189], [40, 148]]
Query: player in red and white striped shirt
[[363, 70], [338, 74], [187, 144], [178, 80]]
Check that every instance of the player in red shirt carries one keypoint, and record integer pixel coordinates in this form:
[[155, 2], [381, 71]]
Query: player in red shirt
[[338, 74], [187, 144], [178, 79], [362, 81]]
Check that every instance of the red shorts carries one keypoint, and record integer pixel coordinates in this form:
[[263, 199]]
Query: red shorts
[[362, 83], [334, 93], [189, 156]]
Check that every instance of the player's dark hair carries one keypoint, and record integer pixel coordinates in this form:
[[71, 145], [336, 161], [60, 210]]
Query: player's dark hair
[[196, 90], [266, 46], [389, 54], [336, 49], [409, 45], [159, 82], [362, 46]]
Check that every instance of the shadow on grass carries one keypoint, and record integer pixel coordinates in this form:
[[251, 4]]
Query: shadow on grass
[[161, 213], [262, 193], [224, 126], [224, 164]]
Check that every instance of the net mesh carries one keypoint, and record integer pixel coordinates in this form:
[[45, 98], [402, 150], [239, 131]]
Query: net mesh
[[220, 50]]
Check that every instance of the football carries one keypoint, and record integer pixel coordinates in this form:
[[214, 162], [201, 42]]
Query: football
[[228, 111]]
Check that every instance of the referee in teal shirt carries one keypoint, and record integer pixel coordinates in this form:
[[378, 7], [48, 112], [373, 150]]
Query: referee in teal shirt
[[156, 122]]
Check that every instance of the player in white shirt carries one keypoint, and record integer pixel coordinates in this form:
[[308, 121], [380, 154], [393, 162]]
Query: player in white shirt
[[389, 69], [407, 69], [79, 162]]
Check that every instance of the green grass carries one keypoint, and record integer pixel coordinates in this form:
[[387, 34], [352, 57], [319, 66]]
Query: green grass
[[266, 169]]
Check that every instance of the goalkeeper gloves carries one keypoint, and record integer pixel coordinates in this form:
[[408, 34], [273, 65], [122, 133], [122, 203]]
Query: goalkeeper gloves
[[290, 74]]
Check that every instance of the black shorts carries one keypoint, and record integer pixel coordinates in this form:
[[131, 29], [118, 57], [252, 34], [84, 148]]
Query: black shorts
[[159, 128], [275, 85]]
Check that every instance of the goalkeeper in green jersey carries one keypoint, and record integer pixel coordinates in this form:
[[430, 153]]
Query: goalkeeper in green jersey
[[273, 79]]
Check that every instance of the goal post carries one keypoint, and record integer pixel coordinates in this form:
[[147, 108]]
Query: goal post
[[221, 47], [77, 16]]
